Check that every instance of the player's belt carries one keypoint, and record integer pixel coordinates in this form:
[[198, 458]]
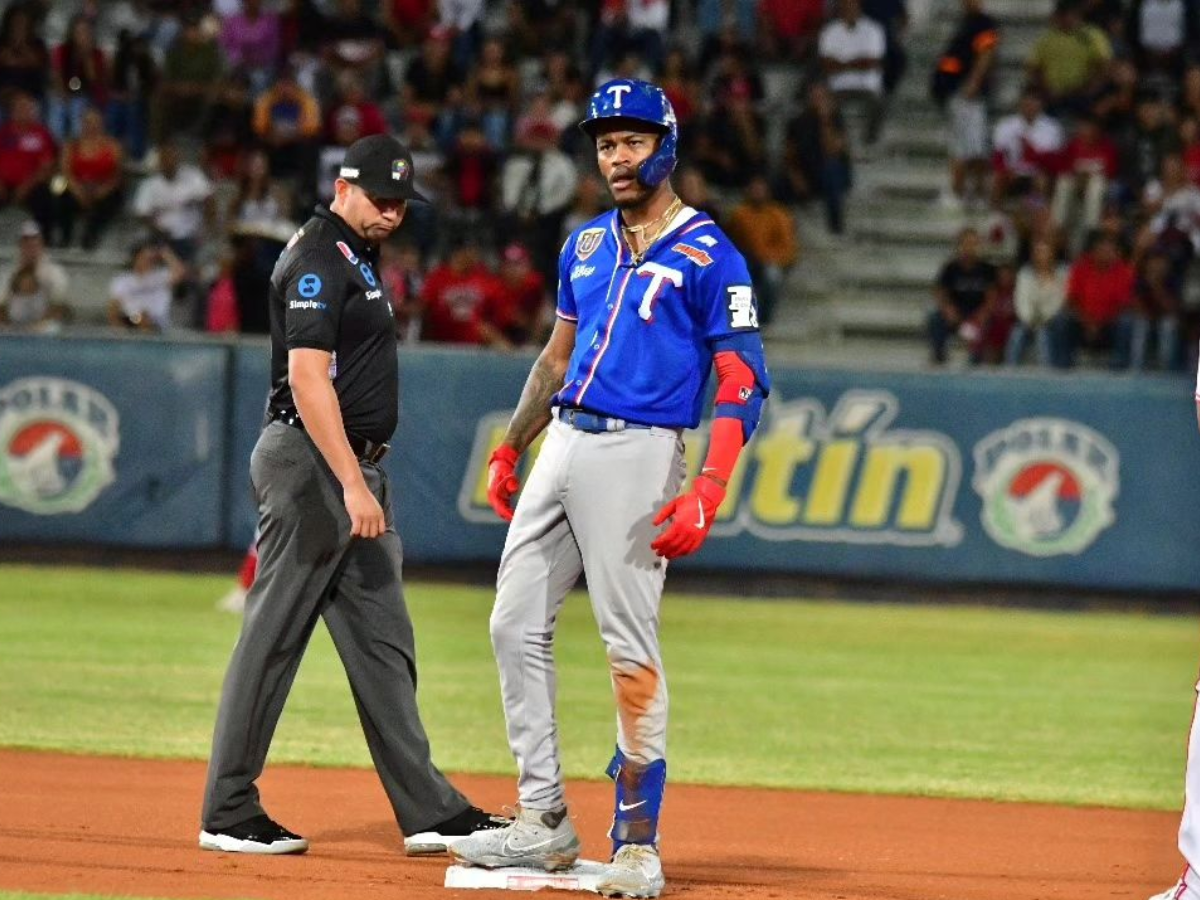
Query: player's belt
[[365, 450], [593, 423]]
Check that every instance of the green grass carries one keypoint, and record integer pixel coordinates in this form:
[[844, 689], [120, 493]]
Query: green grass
[[968, 702]]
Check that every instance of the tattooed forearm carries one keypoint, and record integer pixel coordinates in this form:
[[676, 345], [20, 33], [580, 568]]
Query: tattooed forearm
[[533, 411]]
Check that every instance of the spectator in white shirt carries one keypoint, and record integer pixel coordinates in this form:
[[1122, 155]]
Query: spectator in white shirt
[[537, 185], [1025, 146], [1172, 201], [1160, 32], [175, 202], [141, 298], [852, 49], [1040, 293], [33, 294]]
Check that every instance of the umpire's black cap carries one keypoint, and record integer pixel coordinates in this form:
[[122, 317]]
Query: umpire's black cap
[[381, 166]]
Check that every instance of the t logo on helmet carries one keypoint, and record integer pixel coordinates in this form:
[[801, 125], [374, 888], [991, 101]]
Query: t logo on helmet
[[618, 91]]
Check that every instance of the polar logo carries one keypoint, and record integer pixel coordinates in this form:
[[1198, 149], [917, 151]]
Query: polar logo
[[659, 276], [57, 443], [1047, 486], [618, 91]]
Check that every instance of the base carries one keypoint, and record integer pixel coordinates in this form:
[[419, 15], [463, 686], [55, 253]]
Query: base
[[583, 876]]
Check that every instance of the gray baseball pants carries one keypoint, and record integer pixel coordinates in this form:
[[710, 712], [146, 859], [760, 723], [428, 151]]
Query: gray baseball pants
[[310, 567], [588, 506]]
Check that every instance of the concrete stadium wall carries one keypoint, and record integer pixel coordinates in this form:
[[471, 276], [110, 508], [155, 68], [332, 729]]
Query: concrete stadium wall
[[1078, 480]]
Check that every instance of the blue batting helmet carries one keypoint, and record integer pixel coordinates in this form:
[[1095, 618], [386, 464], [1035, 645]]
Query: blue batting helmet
[[628, 98]]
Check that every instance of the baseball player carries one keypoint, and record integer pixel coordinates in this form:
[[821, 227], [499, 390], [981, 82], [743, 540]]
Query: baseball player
[[327, 543], [650, 296], [1188, 885]]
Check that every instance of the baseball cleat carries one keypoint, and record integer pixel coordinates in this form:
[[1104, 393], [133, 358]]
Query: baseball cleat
[[257, 835], [538, 838], [1181, 890], [443, 836], [635, 871]]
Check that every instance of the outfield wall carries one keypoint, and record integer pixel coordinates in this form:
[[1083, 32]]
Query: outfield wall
[[1080, 480]]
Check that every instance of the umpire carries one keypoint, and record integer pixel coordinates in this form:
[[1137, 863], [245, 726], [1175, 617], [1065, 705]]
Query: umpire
[[328, 545]]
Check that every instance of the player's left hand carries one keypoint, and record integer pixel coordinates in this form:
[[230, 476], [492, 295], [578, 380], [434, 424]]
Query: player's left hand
[[503, 481], [692, 515]]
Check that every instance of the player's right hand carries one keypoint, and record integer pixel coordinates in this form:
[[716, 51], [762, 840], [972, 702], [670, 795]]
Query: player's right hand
[[367, 519], [503, 481]]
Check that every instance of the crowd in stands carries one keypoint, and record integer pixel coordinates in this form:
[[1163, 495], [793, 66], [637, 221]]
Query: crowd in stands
[[216, 124], [1091, 187]]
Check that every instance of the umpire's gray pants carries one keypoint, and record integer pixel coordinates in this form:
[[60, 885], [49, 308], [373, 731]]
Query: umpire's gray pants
[[309, 566]]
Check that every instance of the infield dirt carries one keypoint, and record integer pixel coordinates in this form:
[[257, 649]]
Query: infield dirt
[[129, 827]]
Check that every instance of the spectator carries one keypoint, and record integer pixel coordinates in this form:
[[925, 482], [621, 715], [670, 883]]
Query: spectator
[[1088, 167], [93, 166], [430, 80], [141, 297], [229, 131], [1189, 143], [592, 198], [470, 171], [1115, 107], [1041, 291], [692, 188], [852, 49], [816, 158], [353, 44], [464, 19], [1097, 314], [252, 42], [27, 160], [964, 297], [679, 83], [495, 86], [236, 300], [408, 21], [1189, 99], [537, 184], [401, 270], [730, 143], [287, 120], [1069, 60], [519, 308], [191, 71], [1158, 302], [1160, 32], [1026, 146], [175, 201], [1001, 319], [79, 79], [1171, 206], [1142, 148], [455, 295], [565, 94], [134, 83], [962, 81], [353, 99], [261, 203], [789, 29], [736, 17], [630, 27], [893, 16], [33, 295], [24, 60], [764, 230]]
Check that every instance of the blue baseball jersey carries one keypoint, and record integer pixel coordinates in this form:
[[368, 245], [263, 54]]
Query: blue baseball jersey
[[646, 333]]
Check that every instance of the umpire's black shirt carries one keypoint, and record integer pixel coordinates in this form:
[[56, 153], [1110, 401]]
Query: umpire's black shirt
[[326, 294]]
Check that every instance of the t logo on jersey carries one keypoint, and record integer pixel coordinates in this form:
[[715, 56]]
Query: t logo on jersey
[[659, 277], [618, 91], [742, 313]]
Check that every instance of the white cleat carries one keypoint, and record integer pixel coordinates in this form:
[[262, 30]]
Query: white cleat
[[1180, 891], [537, 838], [635, 871]]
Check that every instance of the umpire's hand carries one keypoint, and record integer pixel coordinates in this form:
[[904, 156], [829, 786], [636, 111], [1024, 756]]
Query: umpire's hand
[[366, 515]]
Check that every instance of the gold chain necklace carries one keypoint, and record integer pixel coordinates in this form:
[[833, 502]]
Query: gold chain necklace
[[639, 231]]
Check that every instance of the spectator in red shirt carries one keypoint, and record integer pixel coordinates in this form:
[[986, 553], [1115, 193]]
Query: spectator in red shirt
[[353, 96], [454, 296], [92, 165], [1098, 314], [27, 161], [789, 28], [518, 309], [1089, 164], [1189, 142], [408, 20]]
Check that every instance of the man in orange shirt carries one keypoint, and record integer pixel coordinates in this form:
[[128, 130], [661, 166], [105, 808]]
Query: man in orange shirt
[[1098, 314], [765, 232]]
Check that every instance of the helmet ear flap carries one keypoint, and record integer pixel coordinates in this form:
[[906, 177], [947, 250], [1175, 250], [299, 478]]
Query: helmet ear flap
[[658, 166]]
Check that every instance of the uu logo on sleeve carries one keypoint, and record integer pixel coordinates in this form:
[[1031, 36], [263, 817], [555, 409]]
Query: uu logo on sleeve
[[587, 242], [310, 285], [1047, 485], [57, 443], [367, 274]]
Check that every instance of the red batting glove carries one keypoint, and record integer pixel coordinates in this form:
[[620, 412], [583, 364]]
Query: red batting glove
[[503, 481], [692, 515]]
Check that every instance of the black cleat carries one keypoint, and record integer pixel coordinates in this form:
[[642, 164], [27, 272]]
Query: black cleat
[[258, 835], [440, 837]]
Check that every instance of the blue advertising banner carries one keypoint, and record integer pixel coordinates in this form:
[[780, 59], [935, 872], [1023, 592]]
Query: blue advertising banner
[[1087, 481], [112, 442]]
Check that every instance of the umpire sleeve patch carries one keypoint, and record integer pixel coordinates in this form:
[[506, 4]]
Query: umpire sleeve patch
[[741, 312]]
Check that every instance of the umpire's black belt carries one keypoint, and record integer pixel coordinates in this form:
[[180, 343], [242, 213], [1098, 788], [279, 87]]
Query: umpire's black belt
[[367, 451], [593, 423]]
